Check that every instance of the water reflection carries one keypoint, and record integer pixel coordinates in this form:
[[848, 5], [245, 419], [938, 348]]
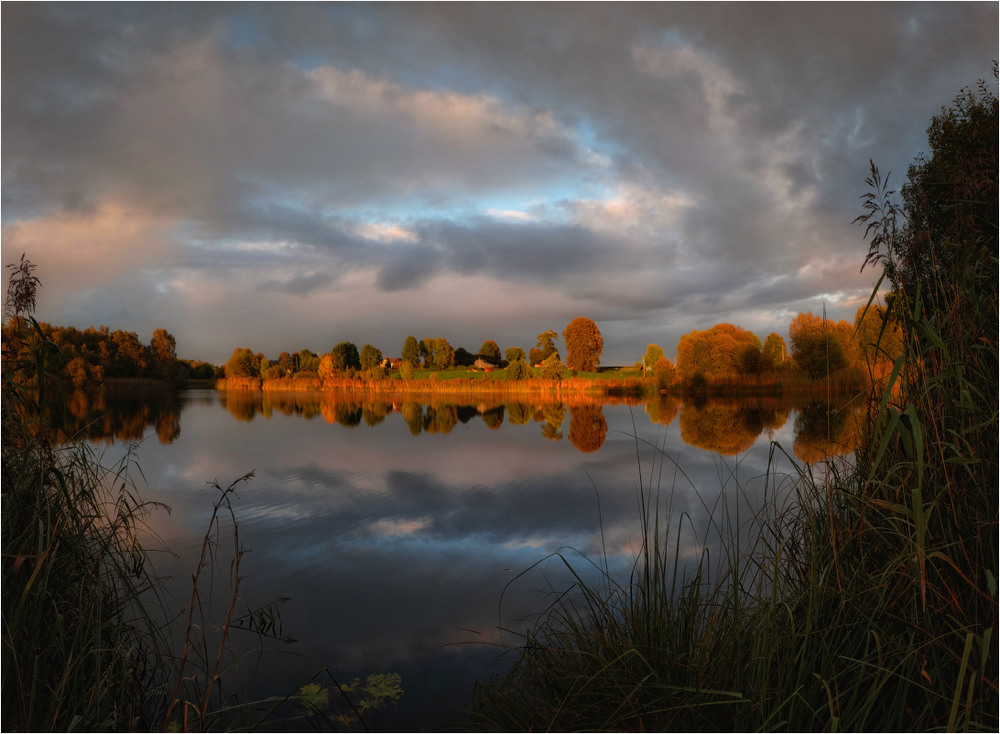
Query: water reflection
[[823, 430], [116, 416], [587, 427], [728, 427], [393, 544]]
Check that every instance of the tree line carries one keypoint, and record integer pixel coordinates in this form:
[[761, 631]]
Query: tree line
[[583, 340], [90, 357], [819, 347]]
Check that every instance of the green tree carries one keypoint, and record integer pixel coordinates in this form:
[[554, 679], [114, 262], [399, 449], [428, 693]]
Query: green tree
[[490, 350], [370, 357], [444, 355], [308, 361], [345, 357], [653, 353], [552, 368], [546, 347], [411, 351], [584, 344], [427, 351], [950, 205], [514, 354], [517, 369], [406, 370]]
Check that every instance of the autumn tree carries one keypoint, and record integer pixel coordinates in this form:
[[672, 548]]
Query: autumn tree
[[716, 352], [819, 346], [163, 346], [242, 364], [653, 353], [583, 345], [664, 373], [749, 359], [774, 353], [411, 351], [587, 427], [326, 368], [129, 355], [877, 333]]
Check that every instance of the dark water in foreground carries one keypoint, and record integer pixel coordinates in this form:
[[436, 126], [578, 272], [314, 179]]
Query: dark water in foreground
[[398, 532]]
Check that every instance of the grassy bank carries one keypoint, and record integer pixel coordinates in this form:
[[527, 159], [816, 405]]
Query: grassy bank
[[610, 384]]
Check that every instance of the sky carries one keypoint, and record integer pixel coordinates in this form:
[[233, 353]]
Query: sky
[[287, 176]]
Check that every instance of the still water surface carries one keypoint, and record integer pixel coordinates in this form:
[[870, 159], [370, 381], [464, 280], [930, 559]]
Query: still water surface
[[398, 530]]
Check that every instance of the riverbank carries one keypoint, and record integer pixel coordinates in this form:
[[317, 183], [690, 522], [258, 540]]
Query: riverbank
[[606, 385]]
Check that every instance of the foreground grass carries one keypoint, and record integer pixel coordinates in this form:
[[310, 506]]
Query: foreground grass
[[87, 642], [867, 603]]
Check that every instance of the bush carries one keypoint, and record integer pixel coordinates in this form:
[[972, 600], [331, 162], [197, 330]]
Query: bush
[[517, 370], [552, 368]]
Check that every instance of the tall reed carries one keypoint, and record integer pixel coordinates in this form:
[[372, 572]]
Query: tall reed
[[868, 603], [88, 643]]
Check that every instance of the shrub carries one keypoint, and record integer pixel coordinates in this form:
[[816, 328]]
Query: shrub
[[552, 368], [517, 370]]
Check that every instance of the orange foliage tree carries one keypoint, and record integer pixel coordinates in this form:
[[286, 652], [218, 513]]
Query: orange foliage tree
[[774, 352], [717, 352], [820, 346], [584, 345], [877, 334], [587, 427]]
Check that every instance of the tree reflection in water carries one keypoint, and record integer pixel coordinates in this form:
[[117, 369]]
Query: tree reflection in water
[[662, 408], [552, 415], [725, 426], [822, 430], [115, 415], [587, 427]]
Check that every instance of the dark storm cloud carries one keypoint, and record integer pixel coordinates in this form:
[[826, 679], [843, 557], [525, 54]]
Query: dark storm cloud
[[647, 164]]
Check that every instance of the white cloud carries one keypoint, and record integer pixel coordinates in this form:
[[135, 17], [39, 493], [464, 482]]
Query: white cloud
[[386, 232]]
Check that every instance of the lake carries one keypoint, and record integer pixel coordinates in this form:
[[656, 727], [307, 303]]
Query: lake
[[412, 535]]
